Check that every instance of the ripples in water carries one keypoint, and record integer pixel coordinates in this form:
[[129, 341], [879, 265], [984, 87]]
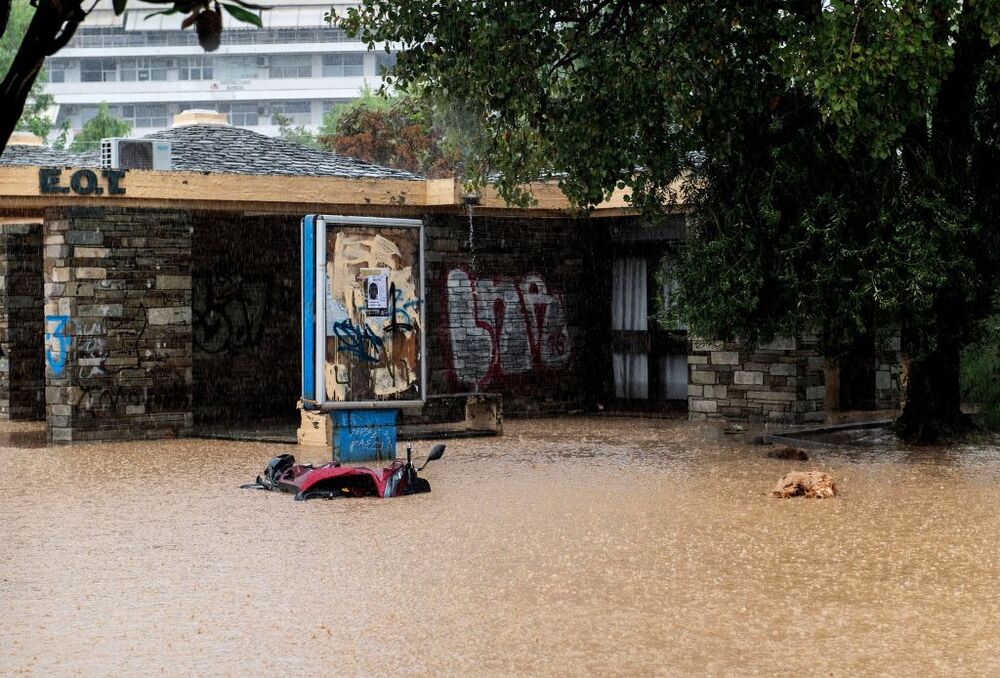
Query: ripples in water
[[579, 545]]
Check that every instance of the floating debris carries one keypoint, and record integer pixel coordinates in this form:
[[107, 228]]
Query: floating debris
[[788, 453], [809, 484]]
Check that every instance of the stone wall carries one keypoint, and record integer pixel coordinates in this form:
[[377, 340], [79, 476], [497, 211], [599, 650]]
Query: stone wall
[[523, 312], [154, 316], [779, 382], [519, 307], [22, 361], [118, 323], [246, 318]]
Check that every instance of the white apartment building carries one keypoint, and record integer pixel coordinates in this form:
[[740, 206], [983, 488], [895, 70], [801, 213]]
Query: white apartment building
[[147, 69]]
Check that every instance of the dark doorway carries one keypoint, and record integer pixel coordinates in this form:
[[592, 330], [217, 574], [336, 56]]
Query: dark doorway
[[245, 322], [649, 363], [857, 375]]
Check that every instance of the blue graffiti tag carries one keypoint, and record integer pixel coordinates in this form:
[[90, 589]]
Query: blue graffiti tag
[[413, 304], [56, 360], [358, 341]]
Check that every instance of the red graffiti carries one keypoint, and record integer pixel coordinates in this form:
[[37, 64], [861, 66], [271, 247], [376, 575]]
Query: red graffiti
[[500, 327]]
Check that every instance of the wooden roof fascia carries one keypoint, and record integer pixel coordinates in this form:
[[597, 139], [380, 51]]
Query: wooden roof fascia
[[21, 193]]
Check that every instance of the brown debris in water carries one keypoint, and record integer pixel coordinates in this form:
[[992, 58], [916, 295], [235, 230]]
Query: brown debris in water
[[788, 452], [809, 484]]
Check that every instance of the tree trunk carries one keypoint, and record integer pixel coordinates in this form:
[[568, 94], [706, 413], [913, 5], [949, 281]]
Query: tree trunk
[[932, 413], [50, 29]]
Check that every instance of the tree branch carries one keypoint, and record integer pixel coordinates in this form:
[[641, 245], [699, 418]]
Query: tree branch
[[51, 27]]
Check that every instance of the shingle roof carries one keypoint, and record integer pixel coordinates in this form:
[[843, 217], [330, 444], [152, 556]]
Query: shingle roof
[[16, 154], [221, 148], [224, 149]]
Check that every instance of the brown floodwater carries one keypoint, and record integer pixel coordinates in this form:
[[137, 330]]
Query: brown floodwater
[[569, 546]]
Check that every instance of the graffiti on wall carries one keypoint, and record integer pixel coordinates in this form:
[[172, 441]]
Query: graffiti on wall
[[372, 316], [57, 343], [78, 350], [229, 311], [168, 393], [501, 327], [83, 344]]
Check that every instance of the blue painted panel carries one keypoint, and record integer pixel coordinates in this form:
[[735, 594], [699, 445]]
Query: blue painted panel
[[364, 435], [308, 264]]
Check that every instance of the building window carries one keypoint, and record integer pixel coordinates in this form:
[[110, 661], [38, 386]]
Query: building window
[[194, 68], [147, 115], [143, 69], [296, 112], [242, 114], [57, 70], [343, 65], [98, 70], [293, 66], [118, 37], [78, 115]]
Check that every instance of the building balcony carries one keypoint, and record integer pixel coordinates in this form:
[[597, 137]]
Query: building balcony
[[210, 90], [224, 50]]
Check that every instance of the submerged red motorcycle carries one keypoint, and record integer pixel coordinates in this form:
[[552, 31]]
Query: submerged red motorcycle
[[332, 481]]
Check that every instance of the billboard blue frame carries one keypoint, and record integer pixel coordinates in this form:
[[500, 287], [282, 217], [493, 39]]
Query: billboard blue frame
[[313, 304]]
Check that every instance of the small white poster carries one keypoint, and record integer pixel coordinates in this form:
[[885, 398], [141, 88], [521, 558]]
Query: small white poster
[[376, 290]]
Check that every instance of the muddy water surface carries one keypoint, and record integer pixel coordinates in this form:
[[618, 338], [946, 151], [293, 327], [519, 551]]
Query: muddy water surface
[[572, 546]]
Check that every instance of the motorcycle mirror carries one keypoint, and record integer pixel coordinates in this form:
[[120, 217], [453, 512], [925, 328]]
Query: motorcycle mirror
[[436, 453]]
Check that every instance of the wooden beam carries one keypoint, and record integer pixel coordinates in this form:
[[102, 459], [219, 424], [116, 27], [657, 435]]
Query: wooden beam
[[28, 190], [442, 192], [188, 187]]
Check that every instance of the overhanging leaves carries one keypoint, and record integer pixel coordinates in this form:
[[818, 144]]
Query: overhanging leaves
[[243, 15]]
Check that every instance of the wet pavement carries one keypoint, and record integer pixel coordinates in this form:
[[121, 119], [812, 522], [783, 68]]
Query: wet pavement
[[571, 546]]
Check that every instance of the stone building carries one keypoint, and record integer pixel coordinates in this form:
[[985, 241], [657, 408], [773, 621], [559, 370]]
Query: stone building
[[142, 304], [787, 381]]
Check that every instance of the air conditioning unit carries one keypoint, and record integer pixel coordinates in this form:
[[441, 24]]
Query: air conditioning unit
[[147, 154], [263, 61]]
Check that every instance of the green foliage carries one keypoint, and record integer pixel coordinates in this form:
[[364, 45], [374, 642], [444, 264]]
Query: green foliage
[[869, 68], [981, 375], [101, 126], [839, 159], [401, 131], [297, 134], [34, 119], [537, 94], [369, 100], [61, 141], [243, 15], [20, 16]]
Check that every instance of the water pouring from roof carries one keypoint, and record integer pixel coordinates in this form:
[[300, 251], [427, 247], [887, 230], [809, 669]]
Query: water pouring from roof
[[471, 200]]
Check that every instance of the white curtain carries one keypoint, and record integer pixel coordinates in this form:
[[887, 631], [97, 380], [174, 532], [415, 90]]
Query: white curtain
[[628, 312], [631, 375], [628, 294], [674, 376]]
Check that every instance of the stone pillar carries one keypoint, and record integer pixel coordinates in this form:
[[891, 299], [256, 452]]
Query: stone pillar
[[117, 324], [22, 375]]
